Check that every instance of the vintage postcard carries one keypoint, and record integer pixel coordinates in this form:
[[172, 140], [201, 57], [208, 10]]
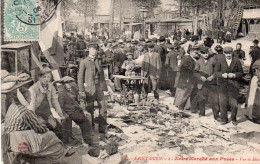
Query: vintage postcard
[[130, 81]]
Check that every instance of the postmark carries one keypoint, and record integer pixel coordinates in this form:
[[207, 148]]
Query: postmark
[[15, 29], [23, 147], [23, 18]]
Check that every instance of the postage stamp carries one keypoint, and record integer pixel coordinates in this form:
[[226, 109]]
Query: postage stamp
[[21, 20]]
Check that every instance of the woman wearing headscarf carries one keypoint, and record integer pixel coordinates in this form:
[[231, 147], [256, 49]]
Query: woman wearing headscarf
[[253, 101]]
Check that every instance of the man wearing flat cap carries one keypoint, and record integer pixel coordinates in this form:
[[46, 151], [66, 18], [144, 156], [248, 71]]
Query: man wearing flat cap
[[151, 68], [92, 84], [186, 84], [70, 105], [228, 72], [206, 83]]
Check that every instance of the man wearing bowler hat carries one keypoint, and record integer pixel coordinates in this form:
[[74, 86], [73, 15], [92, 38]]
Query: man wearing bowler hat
[[228, 72], [91, 82], [151, 68]]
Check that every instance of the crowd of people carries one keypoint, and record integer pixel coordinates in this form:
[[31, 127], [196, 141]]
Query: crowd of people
[[42, 115]]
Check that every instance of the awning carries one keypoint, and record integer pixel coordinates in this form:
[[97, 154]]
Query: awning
[[251, 14], [175, 20]]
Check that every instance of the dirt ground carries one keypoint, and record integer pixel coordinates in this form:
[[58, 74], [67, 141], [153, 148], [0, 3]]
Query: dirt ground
[[171, 136]]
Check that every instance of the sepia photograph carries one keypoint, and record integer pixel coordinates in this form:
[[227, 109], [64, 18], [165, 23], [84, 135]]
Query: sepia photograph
[[130, 81]]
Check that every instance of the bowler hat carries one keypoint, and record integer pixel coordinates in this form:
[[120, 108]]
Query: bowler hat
[[162, 39], [256, 41]]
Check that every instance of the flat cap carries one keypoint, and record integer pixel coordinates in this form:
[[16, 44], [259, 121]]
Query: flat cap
[[162, 38], [195, 48], [109, 41], [154, 39], [128, 40], [148, 41], [150, 45], [170, 46], [141, 39], [227, 49], [93, 44], [134, 41], [45, 70], [194, 37], [67, 79], [129, 53], [204, 49]]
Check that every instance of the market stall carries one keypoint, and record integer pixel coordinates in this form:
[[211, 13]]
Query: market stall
[[16, 62]]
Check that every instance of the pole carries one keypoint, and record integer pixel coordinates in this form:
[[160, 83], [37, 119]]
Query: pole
[[112, 18], [180, 7], [143, 27], [196, 19], [120, 4]]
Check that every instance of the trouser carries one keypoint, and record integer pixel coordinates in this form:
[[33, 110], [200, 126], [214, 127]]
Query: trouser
[[102, 105], [163, 84], [151, 82], [183, 95], [208, 93], [228, 99], [171, 78], [83, 122]]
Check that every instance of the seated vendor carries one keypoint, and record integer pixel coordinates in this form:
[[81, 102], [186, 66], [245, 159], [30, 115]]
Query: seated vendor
[[44, 97], [129, 65], [70, 105], [25, 135]]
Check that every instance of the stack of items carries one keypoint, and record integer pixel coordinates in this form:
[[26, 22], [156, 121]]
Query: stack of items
[[8, 81]]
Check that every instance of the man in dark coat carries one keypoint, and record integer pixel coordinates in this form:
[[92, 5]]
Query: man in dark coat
[[186, 86], [171, 64], [206, 83], [151, 68], [200, 33], [70, 105], [80, 46], [228, 72], [254, 53], [162, 52], [91, 82]]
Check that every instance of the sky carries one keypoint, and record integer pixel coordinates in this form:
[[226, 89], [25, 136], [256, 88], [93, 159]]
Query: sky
[[104, 6]]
